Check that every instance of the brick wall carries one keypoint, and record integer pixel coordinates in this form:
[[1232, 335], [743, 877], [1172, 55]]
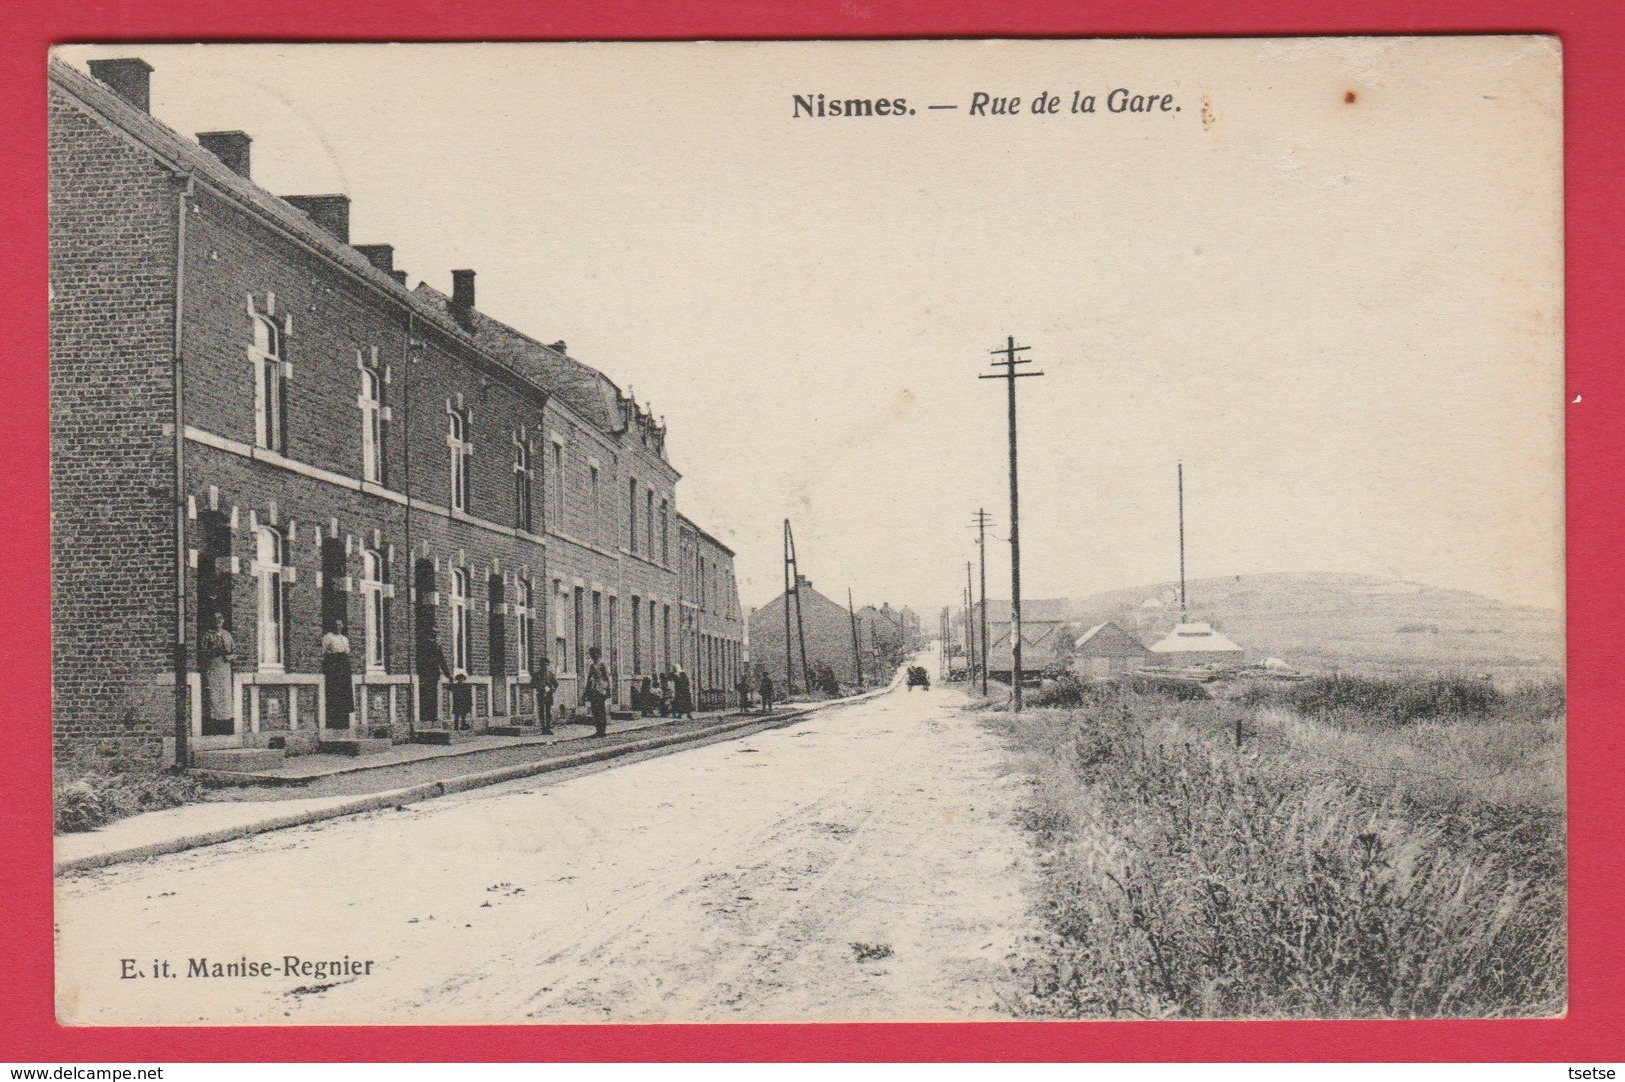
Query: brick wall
[[113, 213]]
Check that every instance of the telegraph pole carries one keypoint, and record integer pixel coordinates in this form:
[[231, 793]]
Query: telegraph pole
[[981, 546], [1184, 614], [1010, 375], [970, 631], [857, 655]]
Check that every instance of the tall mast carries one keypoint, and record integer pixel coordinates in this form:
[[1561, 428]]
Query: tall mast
[[1184, 615]]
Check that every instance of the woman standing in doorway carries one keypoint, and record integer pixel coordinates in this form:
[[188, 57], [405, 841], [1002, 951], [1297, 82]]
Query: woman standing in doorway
[[336, 675]]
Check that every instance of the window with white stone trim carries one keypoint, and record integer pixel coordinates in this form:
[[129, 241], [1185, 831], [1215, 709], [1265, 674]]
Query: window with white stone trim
[[267, 352], [375, 608], [374, 417], [271, 573], [461, 449]]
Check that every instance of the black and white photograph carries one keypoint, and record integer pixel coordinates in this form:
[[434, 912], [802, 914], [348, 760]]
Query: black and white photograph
[[862, 531]]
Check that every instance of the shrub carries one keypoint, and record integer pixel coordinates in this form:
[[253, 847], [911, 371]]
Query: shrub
[[94, 800], [1402, 700]]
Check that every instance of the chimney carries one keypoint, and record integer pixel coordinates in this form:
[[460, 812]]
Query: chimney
[[462, 291], [331, 212], [230, 147], [130, 78], [400, 276], [381, 256]]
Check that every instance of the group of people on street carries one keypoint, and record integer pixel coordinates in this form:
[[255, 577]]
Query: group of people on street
[[675, 696]]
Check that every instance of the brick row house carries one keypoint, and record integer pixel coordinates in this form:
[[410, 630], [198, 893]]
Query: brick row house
[[349, 449]]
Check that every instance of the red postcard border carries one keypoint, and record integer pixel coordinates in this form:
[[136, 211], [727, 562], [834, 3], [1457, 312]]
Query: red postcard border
[[1593, 36]]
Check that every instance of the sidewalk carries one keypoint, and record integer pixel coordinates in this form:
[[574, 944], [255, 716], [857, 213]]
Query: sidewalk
[[312, 788]]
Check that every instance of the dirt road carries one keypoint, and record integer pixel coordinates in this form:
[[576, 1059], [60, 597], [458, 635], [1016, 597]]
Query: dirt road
[[862, 865]]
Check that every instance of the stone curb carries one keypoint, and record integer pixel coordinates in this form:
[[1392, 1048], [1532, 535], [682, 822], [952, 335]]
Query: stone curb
[[413, 794]]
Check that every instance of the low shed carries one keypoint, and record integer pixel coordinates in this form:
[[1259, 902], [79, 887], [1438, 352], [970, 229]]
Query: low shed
[[1106, 650], [1195, 643]]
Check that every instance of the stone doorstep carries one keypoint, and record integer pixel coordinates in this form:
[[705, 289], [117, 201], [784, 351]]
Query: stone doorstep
[[238, 760], [355, 746], [445, 737]]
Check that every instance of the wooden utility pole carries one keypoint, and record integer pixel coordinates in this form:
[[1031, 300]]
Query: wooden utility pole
[[857, 656], [1010, 375], [981, 611], [970, 630], [1184, 614], [792, 589]]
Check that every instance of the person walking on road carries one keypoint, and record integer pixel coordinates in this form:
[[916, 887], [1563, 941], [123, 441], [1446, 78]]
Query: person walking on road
[[597, 691], [546, 685], [743, 688], [682, 698], [766, 689]]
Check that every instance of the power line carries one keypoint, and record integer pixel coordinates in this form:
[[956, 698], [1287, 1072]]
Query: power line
[[1010, 375]]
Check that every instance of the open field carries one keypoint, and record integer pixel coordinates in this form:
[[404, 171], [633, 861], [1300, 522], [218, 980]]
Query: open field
[[1339, 862], [1352, 623]]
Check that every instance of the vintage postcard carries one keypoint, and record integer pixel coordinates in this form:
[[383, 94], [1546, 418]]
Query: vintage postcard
[[815, 531]]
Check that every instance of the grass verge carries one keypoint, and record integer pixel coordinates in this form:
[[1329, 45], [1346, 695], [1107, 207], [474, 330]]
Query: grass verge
[[1341, 863]]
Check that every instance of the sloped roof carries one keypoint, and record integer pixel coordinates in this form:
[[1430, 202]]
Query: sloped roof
[[185, 155], [587, 391], [1053, 610], [1104, 633], [1194, 638]]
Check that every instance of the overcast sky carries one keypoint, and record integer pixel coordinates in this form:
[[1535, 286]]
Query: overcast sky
[[1343, 315]]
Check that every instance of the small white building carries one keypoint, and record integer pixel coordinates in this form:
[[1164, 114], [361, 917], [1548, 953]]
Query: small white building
[[1195, 643], [1105, 651]]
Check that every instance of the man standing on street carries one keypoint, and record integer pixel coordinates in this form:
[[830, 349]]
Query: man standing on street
[[546, 685], [597, 691]]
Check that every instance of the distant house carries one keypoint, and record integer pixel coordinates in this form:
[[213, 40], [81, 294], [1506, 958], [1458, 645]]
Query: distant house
[[1106, 650], [828, 629], [1046, 636], [1195, 643]]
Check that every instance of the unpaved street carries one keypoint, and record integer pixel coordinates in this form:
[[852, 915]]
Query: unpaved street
[[862, 864]]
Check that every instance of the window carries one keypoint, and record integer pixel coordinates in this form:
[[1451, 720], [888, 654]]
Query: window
[[555, 485], [665, 536], [632, 516], [561, 647], [522, 482], [374, 611], [653, 645], [594, 507], [270, 385], [579, 630], [649, 524], [637, 635], [461, 449], [665, 636], [271, 573], [459, 619], [524, 615], [373, 417]]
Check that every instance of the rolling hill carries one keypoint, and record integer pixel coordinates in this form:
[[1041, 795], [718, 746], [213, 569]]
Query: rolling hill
[[1319, 622]]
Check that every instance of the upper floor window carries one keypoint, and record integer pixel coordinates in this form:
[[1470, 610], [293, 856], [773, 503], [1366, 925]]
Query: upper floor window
[[665, 533], [523, 479], [594, 508], [271, 372], [374, 418], [632, 515], [374, 607], [649, 523], [555, 488], [271, 573], [461, 449]]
